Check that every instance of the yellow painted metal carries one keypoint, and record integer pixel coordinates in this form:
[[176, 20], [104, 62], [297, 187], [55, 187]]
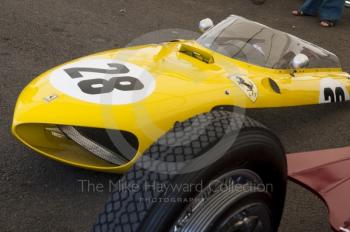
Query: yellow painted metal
[[185, 86]]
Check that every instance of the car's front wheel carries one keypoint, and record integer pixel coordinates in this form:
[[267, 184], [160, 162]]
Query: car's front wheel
[[232, 202], [219, 171]]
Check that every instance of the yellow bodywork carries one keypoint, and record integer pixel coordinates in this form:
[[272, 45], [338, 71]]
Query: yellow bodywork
[[185, 86]]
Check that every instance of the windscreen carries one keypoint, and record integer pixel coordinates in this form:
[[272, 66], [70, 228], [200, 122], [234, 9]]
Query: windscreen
[[257, 44]]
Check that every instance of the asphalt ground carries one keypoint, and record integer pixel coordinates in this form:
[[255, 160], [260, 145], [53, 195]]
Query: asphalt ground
[[37, 194]]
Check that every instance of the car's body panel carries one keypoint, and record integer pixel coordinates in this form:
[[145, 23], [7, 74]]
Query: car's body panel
[[145, 90], [326, 173], [184, 87]]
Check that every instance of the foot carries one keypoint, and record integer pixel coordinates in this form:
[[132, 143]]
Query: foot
[[301, 13], [298, 13], [258, 2], [327, 23]]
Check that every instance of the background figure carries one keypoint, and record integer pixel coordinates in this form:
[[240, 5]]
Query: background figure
[[329, 11]]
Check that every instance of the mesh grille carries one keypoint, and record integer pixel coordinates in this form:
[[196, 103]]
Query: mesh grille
[[93, 147]]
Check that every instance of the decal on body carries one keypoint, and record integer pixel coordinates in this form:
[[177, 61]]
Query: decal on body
[[332, 90], [246, 85], [103, 81]]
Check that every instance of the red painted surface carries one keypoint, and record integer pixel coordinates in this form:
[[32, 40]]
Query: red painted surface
[[327, 173]]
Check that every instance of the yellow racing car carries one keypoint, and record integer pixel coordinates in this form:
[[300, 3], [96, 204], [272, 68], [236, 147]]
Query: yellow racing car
[[173, 113]]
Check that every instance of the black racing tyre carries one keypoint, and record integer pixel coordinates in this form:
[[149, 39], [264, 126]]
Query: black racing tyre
[[226, 173]]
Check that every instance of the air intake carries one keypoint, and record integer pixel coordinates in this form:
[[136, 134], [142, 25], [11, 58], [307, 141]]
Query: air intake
[[116, 147], [197, 53]]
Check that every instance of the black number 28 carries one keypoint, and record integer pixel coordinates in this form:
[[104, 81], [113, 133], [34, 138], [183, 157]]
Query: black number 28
[[99, 85]]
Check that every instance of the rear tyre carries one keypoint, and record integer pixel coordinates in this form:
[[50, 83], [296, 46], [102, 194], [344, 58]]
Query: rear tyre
[[240, 187]]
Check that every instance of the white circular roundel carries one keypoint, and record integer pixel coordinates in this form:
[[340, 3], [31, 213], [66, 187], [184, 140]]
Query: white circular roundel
[[332, 90], [103, 81]]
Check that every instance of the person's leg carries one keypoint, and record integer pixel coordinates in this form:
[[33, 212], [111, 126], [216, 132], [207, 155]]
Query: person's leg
[[311, 7], [331, 10]]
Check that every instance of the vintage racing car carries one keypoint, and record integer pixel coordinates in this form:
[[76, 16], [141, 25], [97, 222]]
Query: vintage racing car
[[172, 114]]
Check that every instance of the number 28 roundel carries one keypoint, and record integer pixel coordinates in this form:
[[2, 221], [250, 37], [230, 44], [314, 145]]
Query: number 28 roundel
[[103, 81], [332, 90]]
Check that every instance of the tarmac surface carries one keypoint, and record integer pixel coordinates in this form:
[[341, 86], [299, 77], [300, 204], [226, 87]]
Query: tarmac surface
[[37, 194]]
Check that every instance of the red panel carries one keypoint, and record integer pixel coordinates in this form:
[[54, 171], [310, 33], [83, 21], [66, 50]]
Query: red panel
[[327, 173]]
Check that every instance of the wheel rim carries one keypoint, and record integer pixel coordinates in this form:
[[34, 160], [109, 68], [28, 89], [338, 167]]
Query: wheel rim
[[251, 218], [220, 213]]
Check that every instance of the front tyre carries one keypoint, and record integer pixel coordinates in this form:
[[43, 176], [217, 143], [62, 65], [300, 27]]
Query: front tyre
[[229, 175], [230, 203]]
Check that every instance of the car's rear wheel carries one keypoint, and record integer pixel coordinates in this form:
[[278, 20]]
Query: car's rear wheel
[[218, 171]]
